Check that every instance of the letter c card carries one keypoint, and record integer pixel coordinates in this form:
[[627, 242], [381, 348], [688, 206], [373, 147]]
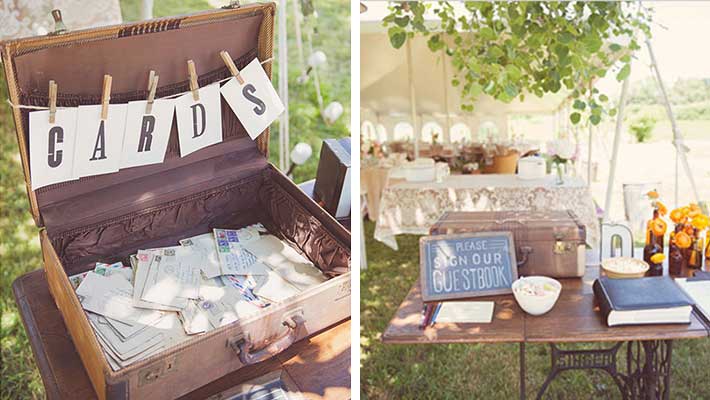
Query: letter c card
[[199, 122], [98, 142], [255, 102], [52, 147], [147, 135]]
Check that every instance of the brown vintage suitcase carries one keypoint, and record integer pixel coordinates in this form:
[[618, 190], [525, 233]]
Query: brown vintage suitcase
[[230, 184], [550, 243]]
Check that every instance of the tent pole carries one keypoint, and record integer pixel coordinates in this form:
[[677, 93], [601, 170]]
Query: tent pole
[[283, 86], [589, 155], [447, 133], [412, 98], [615, 149], [680, 147], [299, 40]]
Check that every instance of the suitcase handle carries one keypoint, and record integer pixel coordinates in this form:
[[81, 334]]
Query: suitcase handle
[[524, 252], [244, 348]]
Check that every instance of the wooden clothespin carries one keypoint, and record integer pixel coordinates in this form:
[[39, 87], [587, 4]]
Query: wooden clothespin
[[52, 101], [193, 80], [105, 96], [151, 92], [151, 75], [230, 64]]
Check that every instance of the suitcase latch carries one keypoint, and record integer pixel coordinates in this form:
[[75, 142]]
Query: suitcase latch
[[561, 247], [153, 373]]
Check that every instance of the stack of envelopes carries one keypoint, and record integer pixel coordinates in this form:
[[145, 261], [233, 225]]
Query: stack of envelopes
[[206, 282]]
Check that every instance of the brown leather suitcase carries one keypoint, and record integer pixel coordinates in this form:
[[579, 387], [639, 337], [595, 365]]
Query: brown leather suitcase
[[550, 243], [230, 184]]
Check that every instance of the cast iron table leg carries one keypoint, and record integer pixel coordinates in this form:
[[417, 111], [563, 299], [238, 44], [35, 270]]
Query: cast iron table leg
[[648, 367], [522, 370]]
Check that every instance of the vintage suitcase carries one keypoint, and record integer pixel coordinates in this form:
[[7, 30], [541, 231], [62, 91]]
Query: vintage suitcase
[[230, 184], [550, 243], [332, 187]]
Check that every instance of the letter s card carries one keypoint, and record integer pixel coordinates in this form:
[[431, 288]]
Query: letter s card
[[255, 102]]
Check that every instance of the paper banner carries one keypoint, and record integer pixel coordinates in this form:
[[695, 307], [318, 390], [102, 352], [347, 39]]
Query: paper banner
[[98, 142], [255, 103], [147, 135], [199, 122], [52, 147]]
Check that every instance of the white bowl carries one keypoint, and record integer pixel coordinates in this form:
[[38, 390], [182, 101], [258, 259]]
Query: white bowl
[[536, 305]]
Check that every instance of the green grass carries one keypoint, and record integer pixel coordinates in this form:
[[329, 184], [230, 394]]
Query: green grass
[[477, 371], [19, 253], [19, 244]]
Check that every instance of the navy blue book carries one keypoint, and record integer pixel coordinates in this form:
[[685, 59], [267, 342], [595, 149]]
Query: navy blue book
[[652, 300]]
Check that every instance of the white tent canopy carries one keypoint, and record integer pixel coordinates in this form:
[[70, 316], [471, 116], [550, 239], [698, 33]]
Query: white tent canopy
[[390, 92]]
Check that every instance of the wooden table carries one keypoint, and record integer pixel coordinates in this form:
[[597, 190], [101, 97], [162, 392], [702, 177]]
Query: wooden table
[[319, 366], [574, 318]]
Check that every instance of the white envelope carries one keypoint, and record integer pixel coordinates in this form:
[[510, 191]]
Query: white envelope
[[286, 262]]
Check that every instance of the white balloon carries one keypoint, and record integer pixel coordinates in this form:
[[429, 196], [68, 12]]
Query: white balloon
[[333, 112], [317, 58], [301, 153]]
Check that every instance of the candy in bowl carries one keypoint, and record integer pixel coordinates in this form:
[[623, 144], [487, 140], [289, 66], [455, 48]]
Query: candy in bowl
[[536, 294]]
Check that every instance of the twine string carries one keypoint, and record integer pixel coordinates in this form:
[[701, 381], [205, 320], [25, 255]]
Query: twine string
[[22, 106]]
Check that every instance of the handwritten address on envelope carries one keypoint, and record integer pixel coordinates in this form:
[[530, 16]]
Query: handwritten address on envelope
[[467, 265]]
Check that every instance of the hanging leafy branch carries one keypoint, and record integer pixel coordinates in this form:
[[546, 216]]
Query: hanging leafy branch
[[508, 49]]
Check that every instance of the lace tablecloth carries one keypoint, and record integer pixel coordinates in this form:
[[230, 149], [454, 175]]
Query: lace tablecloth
[[412, 207]]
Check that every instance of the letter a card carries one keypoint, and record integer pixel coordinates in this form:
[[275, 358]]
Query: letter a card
[[199, 122], [255, 102], [147, 135], [52, 147], [99, 142]]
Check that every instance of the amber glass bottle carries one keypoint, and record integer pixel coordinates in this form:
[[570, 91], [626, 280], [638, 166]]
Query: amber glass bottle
[[652, 246], [695, 257], [676, 261]]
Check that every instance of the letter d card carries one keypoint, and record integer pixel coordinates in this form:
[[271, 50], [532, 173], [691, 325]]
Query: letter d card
[[255, 102], [199, 122]]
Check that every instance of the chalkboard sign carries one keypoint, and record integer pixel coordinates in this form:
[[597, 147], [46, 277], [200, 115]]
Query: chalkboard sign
[[467, 265]]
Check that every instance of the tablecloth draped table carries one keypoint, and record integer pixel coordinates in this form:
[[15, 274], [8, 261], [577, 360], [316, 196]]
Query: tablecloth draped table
[[412, 207]]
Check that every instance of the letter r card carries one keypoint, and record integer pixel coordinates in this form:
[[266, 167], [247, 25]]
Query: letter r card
[[255, 102]]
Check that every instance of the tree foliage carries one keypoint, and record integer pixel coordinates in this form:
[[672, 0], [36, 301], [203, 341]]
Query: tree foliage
[[509, 49]]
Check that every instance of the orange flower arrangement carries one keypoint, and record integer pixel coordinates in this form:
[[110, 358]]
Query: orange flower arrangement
[[678, 216], [658, 226], [662, 209], [700, 222], [658, 258], [693, 210], [683, 240]]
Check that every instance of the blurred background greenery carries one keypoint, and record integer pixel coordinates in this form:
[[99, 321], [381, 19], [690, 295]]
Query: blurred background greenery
[[19, 244]]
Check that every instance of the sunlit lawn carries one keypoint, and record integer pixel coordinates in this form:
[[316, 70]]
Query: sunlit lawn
[[479, 371]]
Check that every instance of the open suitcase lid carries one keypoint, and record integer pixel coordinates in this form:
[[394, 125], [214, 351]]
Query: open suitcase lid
[[77, 62]]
